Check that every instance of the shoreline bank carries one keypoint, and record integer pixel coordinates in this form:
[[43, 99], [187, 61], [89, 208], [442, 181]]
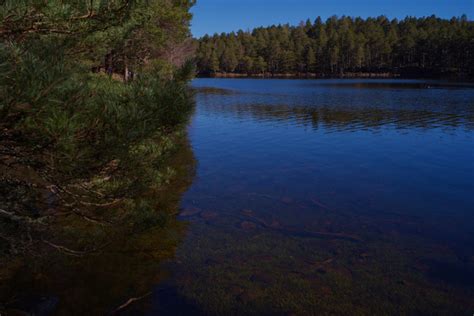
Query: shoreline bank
[[349, 75]]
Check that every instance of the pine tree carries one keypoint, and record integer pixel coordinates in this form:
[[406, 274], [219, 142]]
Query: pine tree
[[247, 64], [229, 61], [310, 60], [95, 148], [374, 44], [214, 65], [259, 65]]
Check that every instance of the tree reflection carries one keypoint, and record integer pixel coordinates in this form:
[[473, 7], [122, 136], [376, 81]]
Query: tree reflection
[[347, 117], [124, 260]]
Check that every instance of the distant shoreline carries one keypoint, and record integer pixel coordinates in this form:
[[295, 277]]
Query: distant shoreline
[[299, 75], [348, 75]]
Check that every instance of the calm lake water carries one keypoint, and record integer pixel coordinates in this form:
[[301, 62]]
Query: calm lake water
[[296, 197], [328, 197]]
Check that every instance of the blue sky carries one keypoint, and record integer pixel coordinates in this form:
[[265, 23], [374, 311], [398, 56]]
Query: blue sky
[[211, 16]]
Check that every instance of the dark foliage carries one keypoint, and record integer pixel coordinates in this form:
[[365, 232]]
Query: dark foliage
[[80, 147], [418, 46]]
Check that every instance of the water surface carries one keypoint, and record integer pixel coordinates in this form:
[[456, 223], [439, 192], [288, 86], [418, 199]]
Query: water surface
[[295, 197], [328, 196]]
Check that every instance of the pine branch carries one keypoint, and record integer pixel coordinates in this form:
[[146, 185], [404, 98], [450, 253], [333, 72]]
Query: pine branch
[[22, 219]]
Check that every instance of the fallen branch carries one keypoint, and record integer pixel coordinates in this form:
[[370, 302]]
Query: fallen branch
[[71, 252], [129, 302], [321, 205], [66, 250], [303, 232], [107, 204], [321, 264]]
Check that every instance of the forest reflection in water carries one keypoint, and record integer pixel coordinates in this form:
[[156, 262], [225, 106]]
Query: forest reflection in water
[[122, 275], [350, 119], [352, 106]]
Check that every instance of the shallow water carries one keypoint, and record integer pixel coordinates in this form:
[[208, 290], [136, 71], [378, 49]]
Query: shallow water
[[309, 197], [328, 196]]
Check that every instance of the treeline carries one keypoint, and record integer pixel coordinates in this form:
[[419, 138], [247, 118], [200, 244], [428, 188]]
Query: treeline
[[417, 46]]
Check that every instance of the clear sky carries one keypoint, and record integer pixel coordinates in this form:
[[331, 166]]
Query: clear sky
[[216, 16]]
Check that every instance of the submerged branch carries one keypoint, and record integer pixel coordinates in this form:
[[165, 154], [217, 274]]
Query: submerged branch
[[129, 302], [66, 250], [74, 253]]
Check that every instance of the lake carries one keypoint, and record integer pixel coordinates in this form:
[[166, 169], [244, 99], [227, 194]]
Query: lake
[[328, 197], [292, 197]]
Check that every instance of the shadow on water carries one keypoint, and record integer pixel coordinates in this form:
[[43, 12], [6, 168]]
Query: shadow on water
[[121, 274], [167, 300]]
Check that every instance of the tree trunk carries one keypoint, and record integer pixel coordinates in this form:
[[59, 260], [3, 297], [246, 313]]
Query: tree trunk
[[126, 73]]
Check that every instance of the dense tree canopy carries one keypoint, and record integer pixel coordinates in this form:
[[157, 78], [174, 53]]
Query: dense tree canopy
[[428, 45], [78, 144]]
